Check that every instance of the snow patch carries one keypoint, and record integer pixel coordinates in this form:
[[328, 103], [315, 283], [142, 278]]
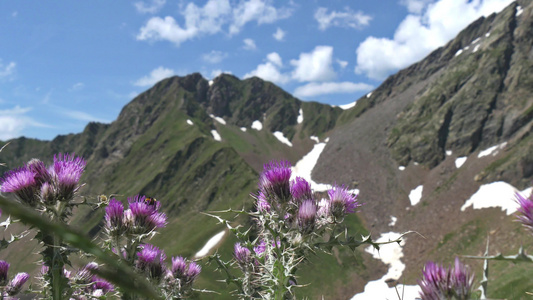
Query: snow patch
[[496, 194], [401, 168], [460, 161], [279, 135], [466, 48], [391, 255], [492, 150], [210, 82], [415, 195], [327, 139], [212, 242], [216, 136], [243, 129], [449, 152], [458, 52], [369, 95], [476, 48], [189, 122], [393, 220], [257, 125], [347, 106], [218, 119], [300, 116], [476, 40], [519, 10], [487, 34], [315, 138]]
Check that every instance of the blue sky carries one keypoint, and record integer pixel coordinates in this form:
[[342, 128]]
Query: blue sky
[[65, 63]]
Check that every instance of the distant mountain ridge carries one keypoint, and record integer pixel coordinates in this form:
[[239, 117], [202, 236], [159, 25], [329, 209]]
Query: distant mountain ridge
[[473, 93]]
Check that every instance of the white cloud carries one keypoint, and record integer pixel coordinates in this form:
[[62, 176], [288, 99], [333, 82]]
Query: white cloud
[[314, 66], [260, 11], [313, 89], [419, 34], [14, 121], [270, 70], [217, 72], [249, 44], [153, 7], [342, 63], [76, 87], [346, 18], [210, 19], [279, 34], [214, 57], [415, 6], [7, 70], [82, 116], [154, 76]]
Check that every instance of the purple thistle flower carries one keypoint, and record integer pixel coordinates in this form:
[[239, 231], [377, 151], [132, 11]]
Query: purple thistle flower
[[84, 275], [526, 210], [152, 261], [21, 181], [16, 284], [39, 170], [193, 270], [4, 268], [301, 189], [66, 171], [114, 217], [179, 266], [242, 254], [144, 217], [48, 194], [342, 202], [260, 248], [275, 180], [262, 203], [440, 283], [100, 286], [307, 216]]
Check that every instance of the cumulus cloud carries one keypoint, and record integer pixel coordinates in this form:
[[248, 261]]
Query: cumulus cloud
[[342, 63], [214, 57], [210, 19], [270, 70], [314, 66], [419, 34], [346, 18], [249, 44], [415, 6], [155, 76], [14, 121], [7, 70], [279, 35], [313, 89], [217, 72], [152, 7]]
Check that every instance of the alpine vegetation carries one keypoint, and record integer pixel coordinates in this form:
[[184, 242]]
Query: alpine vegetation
[[290, 222]]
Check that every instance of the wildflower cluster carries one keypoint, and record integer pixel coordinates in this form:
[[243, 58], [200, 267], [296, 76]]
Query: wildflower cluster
[[10, 288], [127, 229], [439, 282], [290, 221]]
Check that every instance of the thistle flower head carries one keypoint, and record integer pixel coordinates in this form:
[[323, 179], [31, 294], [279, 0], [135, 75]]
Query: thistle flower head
[[275, 180], [100, 286], [260, 248], [144, 216], [4, 268], [301, 189], [525, 207], [48, 193], [193, 270], [307, 216], [16, 284], [22, 183], [242, 254], [262, 203], [39, 170], [186, 272], [114, 217], [179, 266], [66, 171], [342, 201], [85, 275], [151, 260], [439, 282]]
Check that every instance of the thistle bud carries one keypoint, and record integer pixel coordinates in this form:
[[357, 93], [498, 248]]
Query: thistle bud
[[274, 182], [307, 216], [16, 284]]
